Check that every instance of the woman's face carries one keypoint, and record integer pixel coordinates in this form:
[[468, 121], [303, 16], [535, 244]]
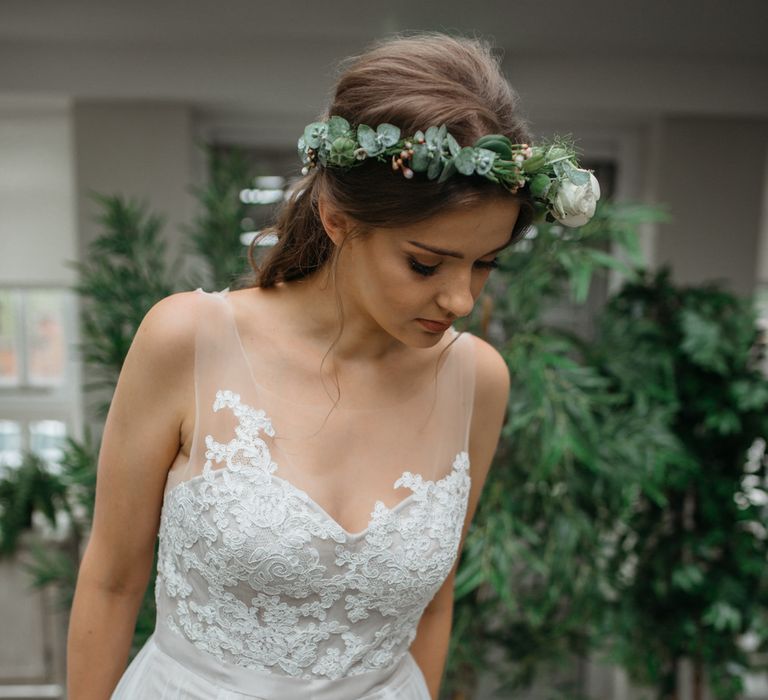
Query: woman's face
[[433, 270]]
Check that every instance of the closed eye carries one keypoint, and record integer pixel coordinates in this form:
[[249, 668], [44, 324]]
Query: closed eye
[[424, 270], [427, 270], [488, 264]]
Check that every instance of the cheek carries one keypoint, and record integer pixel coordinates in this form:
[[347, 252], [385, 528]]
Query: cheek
[[478, 282], [381, 278], [400, 288], [396, 286]]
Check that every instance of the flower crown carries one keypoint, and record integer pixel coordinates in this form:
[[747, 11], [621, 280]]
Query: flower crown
[[558, 186]]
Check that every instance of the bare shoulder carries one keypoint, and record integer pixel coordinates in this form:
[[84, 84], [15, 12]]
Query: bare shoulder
[[157, 372], [162, 353], [170, 323], [492, 378], [141, 439]]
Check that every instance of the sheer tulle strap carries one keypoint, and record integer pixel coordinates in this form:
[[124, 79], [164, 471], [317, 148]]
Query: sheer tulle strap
[[466, 370], [307, 443]]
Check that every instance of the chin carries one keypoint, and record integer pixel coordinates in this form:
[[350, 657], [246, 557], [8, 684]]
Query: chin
[[425, 339]]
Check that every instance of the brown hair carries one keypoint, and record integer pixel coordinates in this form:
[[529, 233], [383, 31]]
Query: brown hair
[[412, 81]]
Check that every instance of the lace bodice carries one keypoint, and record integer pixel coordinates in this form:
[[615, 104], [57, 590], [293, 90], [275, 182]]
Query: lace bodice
[[254, 571]]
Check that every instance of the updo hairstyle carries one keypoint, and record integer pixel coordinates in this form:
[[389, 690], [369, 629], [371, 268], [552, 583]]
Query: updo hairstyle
[[413, 82]]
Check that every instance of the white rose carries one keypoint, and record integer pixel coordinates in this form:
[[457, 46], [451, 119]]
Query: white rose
[[574, 205]]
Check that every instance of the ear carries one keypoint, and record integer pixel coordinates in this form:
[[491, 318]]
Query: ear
[[335, 223]]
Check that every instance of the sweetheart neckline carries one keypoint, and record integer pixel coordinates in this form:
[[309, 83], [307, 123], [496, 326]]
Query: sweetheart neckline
[[305, 497]]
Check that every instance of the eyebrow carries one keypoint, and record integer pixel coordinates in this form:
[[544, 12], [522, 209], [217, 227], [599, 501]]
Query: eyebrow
[[452, 253]]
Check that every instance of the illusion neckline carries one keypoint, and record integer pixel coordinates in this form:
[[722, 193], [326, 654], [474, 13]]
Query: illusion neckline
[[312, 503], [224, 295]]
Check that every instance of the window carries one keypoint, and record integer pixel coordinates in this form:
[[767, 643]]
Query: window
[[39, 378]]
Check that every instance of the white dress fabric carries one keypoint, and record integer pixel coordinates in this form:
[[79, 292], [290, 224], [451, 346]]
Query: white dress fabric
[[260, 592]]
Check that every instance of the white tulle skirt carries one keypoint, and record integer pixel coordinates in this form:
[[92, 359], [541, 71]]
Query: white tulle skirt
[[169, 667]]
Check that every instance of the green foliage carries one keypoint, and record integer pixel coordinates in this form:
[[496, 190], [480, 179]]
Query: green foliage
[[54, 567], [126, 272], [536, 562], [618, 496], [78, 467], [694, 558], [215, 233], [24, 490]]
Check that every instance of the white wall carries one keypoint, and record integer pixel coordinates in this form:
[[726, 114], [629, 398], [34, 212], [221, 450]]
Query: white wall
[[37, 209], [142, 150]]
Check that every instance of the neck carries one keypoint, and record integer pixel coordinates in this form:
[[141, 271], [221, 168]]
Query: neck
[[313, 306]]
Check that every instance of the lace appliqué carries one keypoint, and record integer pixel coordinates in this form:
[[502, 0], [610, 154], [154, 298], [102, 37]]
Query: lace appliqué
[[253, 571]]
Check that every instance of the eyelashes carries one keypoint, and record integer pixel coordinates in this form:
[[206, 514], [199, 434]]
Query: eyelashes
[[424, 270], [427, 270], [488, 265]]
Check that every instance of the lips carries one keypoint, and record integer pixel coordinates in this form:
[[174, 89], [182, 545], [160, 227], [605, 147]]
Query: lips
[[435, 326]]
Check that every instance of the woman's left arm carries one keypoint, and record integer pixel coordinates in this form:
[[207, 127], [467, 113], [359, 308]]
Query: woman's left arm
[[430, 647]]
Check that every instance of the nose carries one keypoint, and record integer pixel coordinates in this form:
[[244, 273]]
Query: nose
[[456, 298]]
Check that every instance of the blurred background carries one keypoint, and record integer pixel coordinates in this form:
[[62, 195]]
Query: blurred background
[[161, 102]]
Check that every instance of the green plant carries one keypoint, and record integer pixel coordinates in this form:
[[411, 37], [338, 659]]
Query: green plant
[[125, 273], [214, 235], [592, 449], [535, 566], [25, 490], [690, 562], [57, 567]]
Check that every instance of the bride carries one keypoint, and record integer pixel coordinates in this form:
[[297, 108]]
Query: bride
[[310, 447]]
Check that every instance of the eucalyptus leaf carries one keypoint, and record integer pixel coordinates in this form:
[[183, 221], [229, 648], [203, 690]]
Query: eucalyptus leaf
[[465, 160], [453, 145], [421, 157], [367, 139], [302, 149], [577, 177], [448, 170], [315, 133], [435, 167], [484, 160], [338, 127], [388, 134]]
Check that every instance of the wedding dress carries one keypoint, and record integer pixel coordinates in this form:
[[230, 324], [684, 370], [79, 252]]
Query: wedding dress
[[260, 592]]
